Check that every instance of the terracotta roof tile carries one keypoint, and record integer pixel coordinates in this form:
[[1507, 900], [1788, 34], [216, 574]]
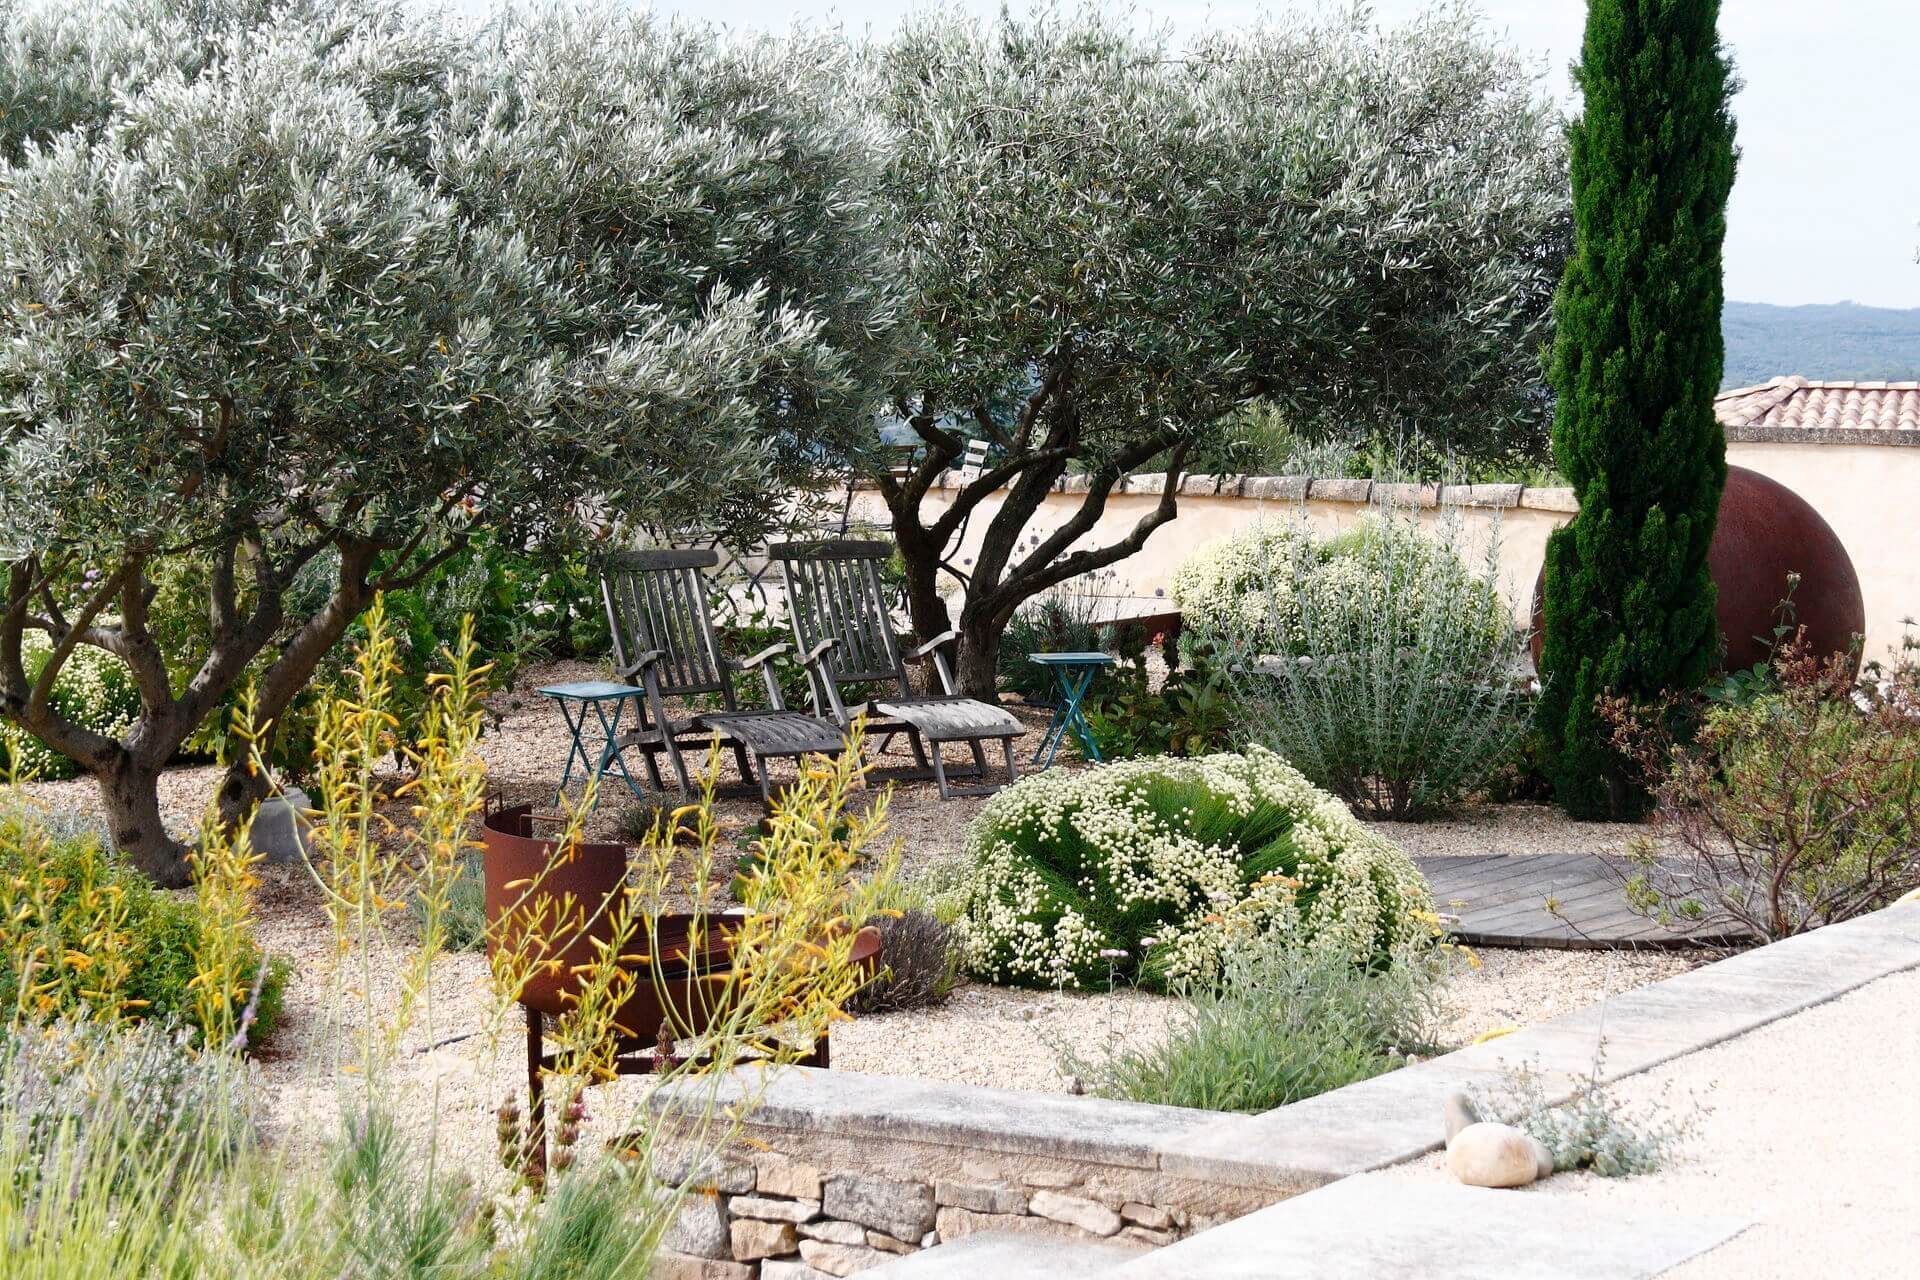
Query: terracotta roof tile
[[1794, 407]]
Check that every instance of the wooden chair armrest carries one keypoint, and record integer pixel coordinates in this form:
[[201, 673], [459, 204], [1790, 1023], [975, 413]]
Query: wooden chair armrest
[[938, 641], [640, 664], [767, 654], [812, 657]]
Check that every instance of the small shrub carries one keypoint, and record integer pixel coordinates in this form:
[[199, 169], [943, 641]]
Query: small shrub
[[464, 919], [919, 960], [81, 933], [77, 1092], [1190, 714], [1075, 617], [1173, 864], [1282, 1023], [1592, 1130], [1793, 806], [1379, 663]]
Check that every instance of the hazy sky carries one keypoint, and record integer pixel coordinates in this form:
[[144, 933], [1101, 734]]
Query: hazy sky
[[1827, 205]]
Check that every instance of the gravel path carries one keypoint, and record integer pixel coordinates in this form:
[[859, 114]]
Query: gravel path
[[1511, 829], [1810, 1132]]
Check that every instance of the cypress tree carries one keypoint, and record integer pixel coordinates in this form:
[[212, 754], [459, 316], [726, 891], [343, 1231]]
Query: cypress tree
[[1629, 603]]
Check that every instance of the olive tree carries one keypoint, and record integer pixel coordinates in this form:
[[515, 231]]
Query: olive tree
[[1109, 244], [325, 292]]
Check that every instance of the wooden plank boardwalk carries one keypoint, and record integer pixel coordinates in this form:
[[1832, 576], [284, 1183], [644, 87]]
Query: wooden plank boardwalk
[[1501, 901]]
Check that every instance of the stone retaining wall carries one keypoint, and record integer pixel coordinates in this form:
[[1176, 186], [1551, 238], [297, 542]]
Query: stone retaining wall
[[776, 1218]]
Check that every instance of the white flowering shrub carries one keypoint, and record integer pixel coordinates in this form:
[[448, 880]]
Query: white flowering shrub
[[1384, 664], [93, 691], [1153, 871], [1260, 584]]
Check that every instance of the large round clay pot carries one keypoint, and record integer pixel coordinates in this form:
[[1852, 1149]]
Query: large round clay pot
[[1765, 533], [683, 960]]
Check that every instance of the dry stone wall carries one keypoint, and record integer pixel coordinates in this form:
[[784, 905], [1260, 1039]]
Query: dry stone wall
[[771, 1217]]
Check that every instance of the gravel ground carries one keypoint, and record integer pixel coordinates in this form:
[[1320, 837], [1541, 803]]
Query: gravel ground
[[984, 1035], [1508, 829], [1808, 1131]]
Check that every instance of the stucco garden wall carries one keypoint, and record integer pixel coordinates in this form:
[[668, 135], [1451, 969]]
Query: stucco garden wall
[[1870, 494]]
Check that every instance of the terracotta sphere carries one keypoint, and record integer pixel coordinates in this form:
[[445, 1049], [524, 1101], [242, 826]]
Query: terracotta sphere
[[1766, 532]]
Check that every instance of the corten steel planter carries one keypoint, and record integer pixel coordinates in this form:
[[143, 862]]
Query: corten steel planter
[[682, 988]]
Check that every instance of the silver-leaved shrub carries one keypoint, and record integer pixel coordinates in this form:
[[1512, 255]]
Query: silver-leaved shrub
[[1383, 662], [1152, 871]]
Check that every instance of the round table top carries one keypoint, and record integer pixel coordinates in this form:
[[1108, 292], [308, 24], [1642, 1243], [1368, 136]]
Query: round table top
[[1072, 659], [591, 690]]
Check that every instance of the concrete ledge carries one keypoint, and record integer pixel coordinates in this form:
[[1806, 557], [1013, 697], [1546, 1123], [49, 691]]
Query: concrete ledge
[[894, 1108], [1220, 1160], [1378, 1228], [1276, 488]]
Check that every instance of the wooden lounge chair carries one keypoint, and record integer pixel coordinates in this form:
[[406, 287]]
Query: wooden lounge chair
[[842, 626], [663, 638]]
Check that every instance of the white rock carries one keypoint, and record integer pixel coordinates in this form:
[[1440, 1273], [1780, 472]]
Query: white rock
[[1492, 1155], [1542, 1156]]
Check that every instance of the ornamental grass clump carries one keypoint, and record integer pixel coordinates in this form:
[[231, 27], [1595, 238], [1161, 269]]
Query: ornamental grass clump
[[1152, 871], [1281, 1023], [1384, 663]]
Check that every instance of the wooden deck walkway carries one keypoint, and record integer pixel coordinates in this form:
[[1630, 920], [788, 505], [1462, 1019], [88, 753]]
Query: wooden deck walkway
[[1501, 901]]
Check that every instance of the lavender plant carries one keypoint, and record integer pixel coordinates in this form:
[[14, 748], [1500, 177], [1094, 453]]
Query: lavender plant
[[1383, 663]]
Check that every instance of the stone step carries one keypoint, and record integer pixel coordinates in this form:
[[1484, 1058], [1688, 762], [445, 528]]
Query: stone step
[[1399, 1227], [1007, 1255]]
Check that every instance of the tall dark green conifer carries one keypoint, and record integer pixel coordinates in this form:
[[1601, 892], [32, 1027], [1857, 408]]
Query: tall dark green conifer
[[1637, 359]]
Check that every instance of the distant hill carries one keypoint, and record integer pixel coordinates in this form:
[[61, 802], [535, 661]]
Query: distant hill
[[1838, 341]]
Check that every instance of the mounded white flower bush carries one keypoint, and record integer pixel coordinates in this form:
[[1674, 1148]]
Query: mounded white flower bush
[[1256, 584], [1150, 871]]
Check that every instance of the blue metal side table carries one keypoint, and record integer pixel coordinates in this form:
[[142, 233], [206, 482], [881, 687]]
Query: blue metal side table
[[576, 701], [1073, 672]]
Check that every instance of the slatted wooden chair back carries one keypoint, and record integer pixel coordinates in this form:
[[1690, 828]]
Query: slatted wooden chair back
[[657, 600], [834, 592]]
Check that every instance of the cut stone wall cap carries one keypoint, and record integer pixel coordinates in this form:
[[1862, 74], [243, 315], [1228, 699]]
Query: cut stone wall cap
[[1481, 495], [1155, 483], [1277, 488], [1403, 495], [1342, 490], [1199, 485], [1549, 500]]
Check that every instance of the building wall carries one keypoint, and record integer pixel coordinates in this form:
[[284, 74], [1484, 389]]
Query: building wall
[[1870, 494]]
